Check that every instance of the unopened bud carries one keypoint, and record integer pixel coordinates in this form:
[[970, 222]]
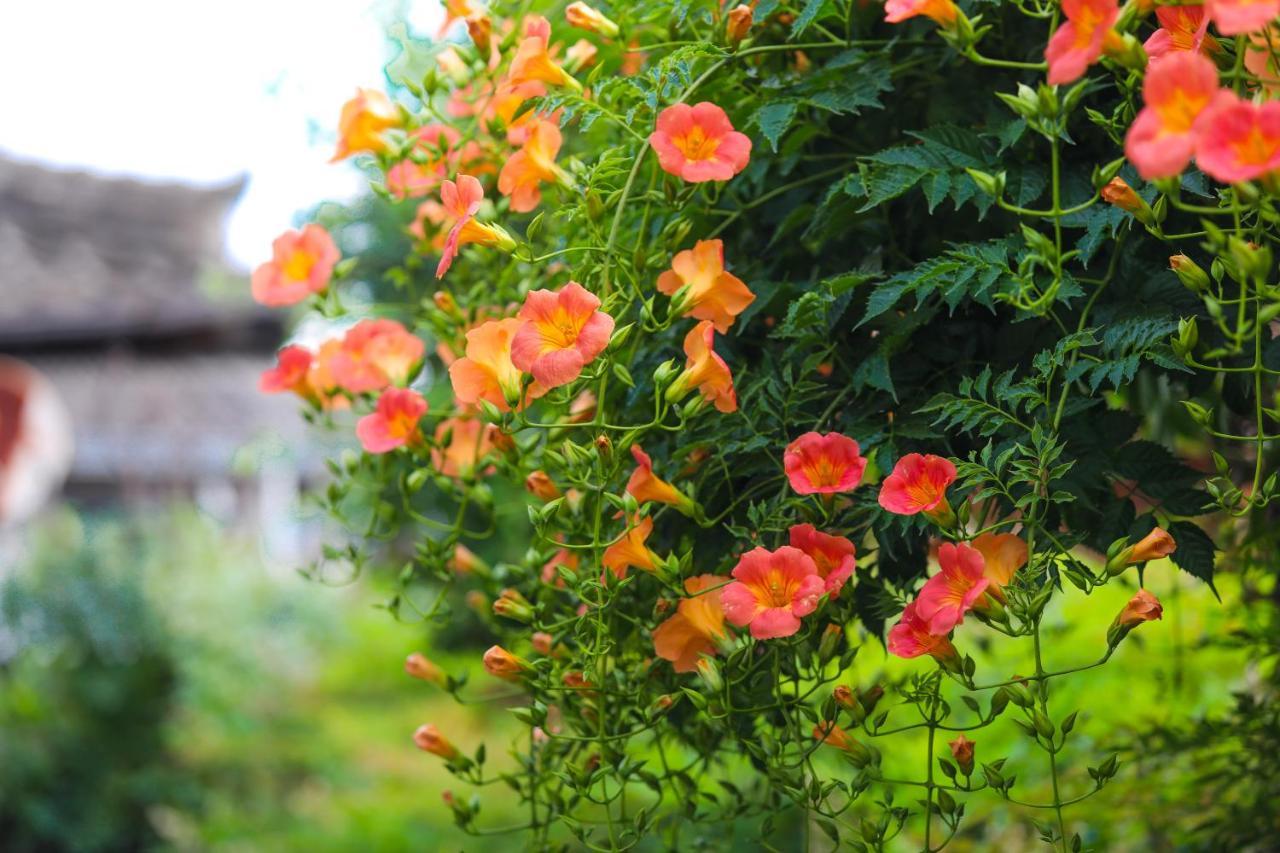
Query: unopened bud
[[419, 666], [540, 485], [738, 23], [429, 739], [962, 752], [512, 605], [1119, 194], [585, 17]]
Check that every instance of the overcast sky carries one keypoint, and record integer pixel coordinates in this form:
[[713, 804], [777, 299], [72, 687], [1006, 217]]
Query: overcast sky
[[197, 91]]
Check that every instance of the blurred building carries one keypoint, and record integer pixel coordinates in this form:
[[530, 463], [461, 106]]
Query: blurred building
[[117, 292]]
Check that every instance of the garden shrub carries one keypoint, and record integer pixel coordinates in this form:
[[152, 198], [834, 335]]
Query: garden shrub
[[804, 327]]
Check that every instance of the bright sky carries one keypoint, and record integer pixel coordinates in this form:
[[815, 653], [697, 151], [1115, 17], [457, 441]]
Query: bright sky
[[199, 92]]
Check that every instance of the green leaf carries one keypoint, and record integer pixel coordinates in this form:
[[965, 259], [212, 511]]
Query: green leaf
[[813, 9], [773, 119], [1195, 552]]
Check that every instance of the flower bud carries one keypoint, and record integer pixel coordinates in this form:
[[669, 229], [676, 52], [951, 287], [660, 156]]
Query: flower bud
[[466, 562], [512, 605], [453, 65], [1119, 194], [1143, 607], [1188, 336], [831, 734], [844, 697], [480, 28], [662, 705], [829, 644], [429, 739], [477, 601], [541, 486], [445, 302], [418, 666], [709, 672], [1156, 544], [543, 643], [992, 185], [1126, 51], [962, 752], [738, 23], [584, 17], [576, 681], [1249, 257], [500, 663]]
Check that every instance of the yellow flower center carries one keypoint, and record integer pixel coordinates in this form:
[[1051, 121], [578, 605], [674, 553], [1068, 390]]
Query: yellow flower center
[[298, 267], [1255, 149], [822, 471], [778, 590], [696, 145]]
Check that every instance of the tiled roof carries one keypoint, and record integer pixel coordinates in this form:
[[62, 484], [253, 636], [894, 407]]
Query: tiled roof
[[85, 257]]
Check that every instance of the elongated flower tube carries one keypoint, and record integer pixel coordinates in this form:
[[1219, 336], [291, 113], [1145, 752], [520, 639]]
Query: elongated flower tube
[[823, 464], [919, 484], [394, 423], [1156, 544], [1143, 607], [1238, 140], [1081, 39], [563, 331], [955, 590], [630, 551], [461, 201], [645, 486], [772, 591], [585, 17], [696, 629], [910, 637], [1181, 28], [705, 371], [533, 63], [1238, 17], [832, 555], [941, 12], [1118, 193], [487, 373], [698, 143], [301, 264], [1002, 555], [701, 288], [832, 735], [534, 164], [1177, 90], [363, 123], [429, 739]]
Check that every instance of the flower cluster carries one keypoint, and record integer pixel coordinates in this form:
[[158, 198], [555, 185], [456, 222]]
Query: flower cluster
[[655, 269]]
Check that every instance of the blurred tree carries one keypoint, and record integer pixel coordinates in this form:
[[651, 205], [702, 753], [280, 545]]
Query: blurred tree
[[86, 682]]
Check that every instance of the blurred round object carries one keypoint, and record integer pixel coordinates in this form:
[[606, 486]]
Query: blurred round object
[[36, 441]]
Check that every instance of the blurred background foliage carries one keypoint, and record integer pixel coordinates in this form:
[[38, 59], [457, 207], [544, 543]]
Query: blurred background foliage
[[160, 688]]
